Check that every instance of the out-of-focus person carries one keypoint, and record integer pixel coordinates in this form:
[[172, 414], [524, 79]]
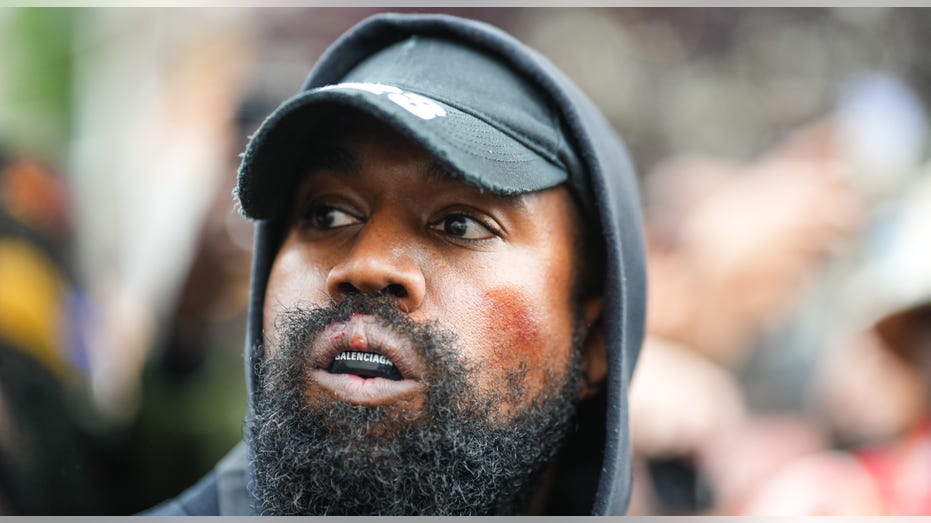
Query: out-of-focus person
[[873, 385], [52, 452], [732, 247]]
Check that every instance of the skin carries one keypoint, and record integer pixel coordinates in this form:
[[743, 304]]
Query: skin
[[497, 271]]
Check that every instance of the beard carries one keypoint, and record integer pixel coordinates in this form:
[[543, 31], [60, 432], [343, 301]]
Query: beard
[[450, 459]]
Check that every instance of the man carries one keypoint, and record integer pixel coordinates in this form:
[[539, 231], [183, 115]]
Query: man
[[448, 287]]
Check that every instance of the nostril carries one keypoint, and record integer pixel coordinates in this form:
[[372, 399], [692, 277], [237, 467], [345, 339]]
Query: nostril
[[348, 288], [398, 291]]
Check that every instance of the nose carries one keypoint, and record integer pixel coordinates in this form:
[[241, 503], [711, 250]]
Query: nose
[[379, 262]]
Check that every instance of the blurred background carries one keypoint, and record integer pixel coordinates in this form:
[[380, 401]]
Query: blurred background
[[784, 169]]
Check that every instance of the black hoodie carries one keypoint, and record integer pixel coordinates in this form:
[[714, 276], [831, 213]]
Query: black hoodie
[[594, 467]]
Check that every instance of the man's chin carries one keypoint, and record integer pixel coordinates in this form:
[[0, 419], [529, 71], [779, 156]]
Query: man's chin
[[351, 460]]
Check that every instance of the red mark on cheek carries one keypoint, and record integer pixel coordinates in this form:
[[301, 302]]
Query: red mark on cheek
[[511, 327]]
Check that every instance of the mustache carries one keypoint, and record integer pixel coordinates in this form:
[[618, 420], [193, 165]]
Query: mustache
[[298, 327]]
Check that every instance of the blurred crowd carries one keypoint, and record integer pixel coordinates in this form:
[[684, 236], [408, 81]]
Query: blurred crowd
[[786, 183]]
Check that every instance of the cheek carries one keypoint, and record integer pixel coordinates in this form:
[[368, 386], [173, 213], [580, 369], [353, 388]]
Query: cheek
[[510, 321], [294, 280], [517, 333]]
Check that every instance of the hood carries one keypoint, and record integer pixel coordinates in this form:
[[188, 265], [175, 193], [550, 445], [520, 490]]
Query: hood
[[595, 464]]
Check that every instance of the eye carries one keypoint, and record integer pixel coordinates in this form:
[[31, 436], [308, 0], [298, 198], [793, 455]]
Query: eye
[[324, 217], [464, 227]]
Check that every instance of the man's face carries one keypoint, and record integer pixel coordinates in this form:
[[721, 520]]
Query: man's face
[[466, 298]]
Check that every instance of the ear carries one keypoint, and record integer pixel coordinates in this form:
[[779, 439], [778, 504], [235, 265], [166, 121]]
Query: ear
[[594, 356]]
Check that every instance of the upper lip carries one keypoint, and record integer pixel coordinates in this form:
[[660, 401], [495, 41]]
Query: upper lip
[[367, 333]]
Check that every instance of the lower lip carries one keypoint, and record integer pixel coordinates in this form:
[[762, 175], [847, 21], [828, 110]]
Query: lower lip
[[371, 392]]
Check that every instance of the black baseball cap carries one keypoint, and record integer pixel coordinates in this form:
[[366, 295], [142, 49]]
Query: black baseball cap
[[468, 109]]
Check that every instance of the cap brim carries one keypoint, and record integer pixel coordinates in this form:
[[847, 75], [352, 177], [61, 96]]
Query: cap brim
[[466, 144]]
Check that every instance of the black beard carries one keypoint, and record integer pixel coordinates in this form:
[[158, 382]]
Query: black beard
[[343, 459]]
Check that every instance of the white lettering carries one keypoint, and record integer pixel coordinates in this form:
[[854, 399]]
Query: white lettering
[[416, 104], [368, 357], [364, 86]]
